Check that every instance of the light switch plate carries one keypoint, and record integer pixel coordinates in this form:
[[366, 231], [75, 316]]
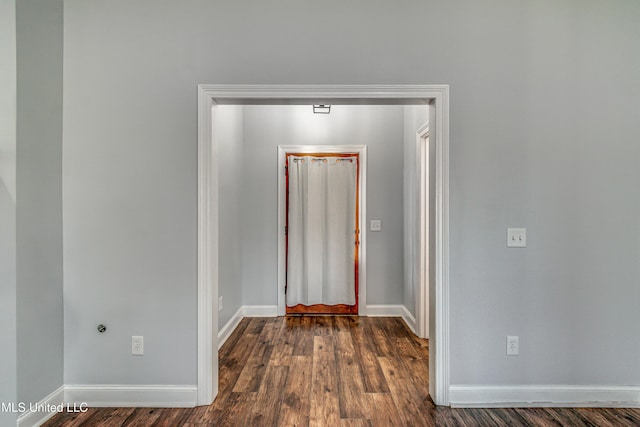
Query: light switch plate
[[375, 225], [516, 237]]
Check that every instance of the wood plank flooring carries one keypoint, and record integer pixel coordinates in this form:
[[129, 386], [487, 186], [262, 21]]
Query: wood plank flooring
[[343, 371]]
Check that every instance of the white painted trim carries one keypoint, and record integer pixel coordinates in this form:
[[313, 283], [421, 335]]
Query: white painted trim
[[437, 96], [469, 396], [439, 289], [393, 310], [422, 141], [244, 311], [229, 327], [385, 310], [282, 219], [309, 94], [260, 311], [129, 396], [35, 418], [409, 319], [207, 253]]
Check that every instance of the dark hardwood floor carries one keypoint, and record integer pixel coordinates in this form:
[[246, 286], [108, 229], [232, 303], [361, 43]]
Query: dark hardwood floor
[[332, 371]]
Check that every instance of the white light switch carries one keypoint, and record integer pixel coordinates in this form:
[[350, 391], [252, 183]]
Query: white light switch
[[516, 237], [375, 225]]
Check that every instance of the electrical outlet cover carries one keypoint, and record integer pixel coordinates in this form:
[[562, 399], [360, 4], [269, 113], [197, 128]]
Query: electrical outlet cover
[[513, 346], [137, 345]]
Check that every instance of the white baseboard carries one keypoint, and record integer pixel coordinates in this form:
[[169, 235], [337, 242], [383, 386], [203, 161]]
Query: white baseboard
[[229, 327], [469, 396], [385, 310], [397, 310], [34, 416], [409, 319], [260, 310], [245, 311], [157, 396]]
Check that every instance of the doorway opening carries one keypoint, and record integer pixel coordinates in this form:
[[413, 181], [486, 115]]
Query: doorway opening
[[340, 273], [436, 97]]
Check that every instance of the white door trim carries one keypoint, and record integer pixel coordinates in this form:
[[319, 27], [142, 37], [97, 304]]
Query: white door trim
[[207, 252], [422, 154], [282, 212], [437, 96]]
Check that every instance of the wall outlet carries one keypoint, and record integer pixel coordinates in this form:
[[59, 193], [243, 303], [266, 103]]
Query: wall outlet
[[375, 225], [137, 345], [219, 304], [513, 346]]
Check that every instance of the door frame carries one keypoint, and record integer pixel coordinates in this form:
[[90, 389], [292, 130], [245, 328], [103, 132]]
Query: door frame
[[422, 154], [283, 150], [436, 96]]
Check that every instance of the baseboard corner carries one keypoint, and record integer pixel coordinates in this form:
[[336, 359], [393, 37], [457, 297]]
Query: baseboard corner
[[393, 310], [41, 412], [409, 319], [226, 331]]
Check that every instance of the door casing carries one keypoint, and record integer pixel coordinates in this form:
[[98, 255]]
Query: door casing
[[422, 154], [436, 96]]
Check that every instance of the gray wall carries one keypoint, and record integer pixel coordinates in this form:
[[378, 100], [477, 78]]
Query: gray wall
[[415, 116], [228, 134], [129, 185], [532, 147], [8, 350], [544, 131], [39, 198], [378, 127]]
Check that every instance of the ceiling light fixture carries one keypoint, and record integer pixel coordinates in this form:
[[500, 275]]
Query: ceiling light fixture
[[322, 109]]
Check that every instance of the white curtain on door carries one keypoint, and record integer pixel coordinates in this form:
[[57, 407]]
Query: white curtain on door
[[321, 233]]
